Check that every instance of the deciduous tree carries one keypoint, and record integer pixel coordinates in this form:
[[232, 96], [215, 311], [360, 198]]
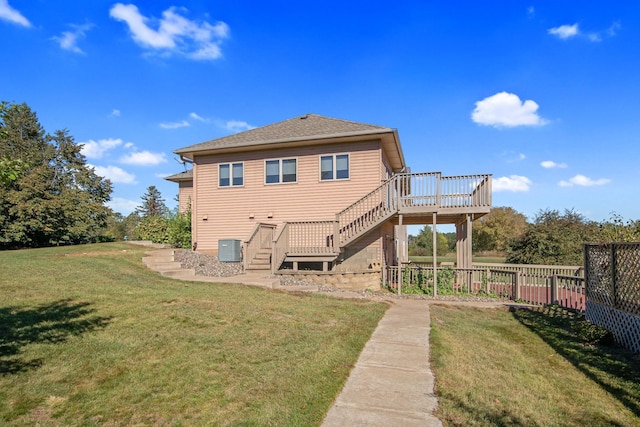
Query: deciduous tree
[[56, 197], [494, 231], [554, 239]]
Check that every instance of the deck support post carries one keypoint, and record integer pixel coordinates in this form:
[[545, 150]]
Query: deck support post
[[435, 255]]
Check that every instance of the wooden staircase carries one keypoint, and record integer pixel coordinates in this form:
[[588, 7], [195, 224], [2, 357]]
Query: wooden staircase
[[260, 261]]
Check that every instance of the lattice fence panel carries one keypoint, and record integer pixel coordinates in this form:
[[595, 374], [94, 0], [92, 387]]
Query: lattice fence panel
[[598, 274], [627, 277], [624, 327]]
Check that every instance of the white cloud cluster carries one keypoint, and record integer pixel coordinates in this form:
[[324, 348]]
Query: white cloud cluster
[[124, 206], [228, 125], [96, 149], [583, 181], [550, 164], [68, 40], [174, 33], [565, 32], [506, 110], [515, 183], [115, 174], [143, 158], [7, 13]]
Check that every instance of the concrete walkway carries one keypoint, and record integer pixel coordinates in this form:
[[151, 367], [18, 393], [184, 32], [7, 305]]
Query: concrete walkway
[[391, 383]]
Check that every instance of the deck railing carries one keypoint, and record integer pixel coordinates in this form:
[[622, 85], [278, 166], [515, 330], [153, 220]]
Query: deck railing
[[427, 191], [544, 287], [303, 238], [415, 192]]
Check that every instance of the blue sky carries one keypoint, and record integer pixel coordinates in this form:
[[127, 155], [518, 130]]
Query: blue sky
[[543, 95]]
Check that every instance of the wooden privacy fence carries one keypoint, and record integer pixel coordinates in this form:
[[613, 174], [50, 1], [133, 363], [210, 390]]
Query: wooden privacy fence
[[532, 284], [612, 273]]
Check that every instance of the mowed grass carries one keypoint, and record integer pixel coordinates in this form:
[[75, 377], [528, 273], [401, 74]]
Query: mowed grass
[[89, 336], [496, 367]]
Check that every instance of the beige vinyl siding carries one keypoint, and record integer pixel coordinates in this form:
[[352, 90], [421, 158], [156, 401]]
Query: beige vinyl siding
[[185, 195], [232, 212]]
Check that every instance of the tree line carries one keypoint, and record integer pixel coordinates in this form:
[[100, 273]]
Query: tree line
[[49, 195], [553, 237]]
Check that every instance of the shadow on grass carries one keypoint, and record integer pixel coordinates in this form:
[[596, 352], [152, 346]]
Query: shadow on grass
[[613, 368], [49, 323]]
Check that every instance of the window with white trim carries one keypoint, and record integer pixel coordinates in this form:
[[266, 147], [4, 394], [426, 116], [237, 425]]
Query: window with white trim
[[280, 171], [334, 167], [231, 175]]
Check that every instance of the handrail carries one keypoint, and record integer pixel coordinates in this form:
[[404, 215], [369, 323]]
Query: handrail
[[280, 247]]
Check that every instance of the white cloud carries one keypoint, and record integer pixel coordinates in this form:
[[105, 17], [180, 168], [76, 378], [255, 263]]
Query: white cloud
[[522, 156], [175, 125], [564, 31], [531, 11], [237, 126], [174, 33], [10, 14], [124, 206], [115, 113], [195, 116], [506, 110], [143, 158], [613, 29], [583, 181], [115, 174], [550, 164], [515, 183], [96, 149], [69, 39]]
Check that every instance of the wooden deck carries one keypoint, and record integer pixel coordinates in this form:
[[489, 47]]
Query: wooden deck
[[419, 198]]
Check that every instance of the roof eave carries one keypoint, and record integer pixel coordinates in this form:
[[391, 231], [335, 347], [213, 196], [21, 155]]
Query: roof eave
[[190, 152]]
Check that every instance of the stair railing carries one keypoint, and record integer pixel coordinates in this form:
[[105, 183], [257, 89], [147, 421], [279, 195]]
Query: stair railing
[[261, 237]]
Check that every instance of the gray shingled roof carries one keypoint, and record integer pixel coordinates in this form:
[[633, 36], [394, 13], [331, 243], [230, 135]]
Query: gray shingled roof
[[307, 127], [182, 176]]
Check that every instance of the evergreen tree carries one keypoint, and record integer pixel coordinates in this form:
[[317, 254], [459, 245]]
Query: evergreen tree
[[152, 204], [56, 197]]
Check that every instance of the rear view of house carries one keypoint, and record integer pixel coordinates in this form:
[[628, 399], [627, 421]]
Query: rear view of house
[[320, 194]]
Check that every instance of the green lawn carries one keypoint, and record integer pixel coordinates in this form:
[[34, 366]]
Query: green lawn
[[89, 336], [496, 367]]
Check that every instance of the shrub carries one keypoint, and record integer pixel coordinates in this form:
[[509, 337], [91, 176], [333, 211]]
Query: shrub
[[179, 230], [153, 228], [592, 334]]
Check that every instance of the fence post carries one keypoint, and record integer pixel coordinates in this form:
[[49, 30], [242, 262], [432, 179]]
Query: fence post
[[516, 291], [487, 280], [614, 268], [554, 289], [400, 278]]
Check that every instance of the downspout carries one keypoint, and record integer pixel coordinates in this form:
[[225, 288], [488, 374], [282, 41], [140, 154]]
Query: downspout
[[194, 241]]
